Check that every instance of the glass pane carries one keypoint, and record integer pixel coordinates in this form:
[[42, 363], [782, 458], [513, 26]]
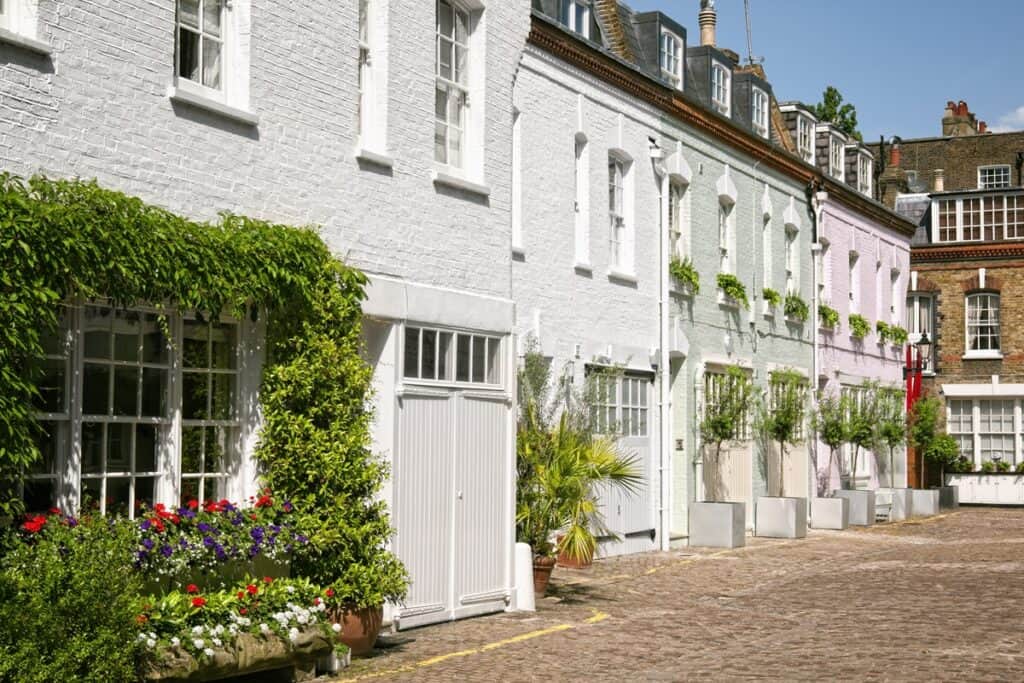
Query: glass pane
[[462, 358], [188, 55], [188, 12], [223, 397], [39, 495], [119, 447], [96, 390], [51, 387], [146, 448], [195, 337], [461, 27], [455, 148], [440, 143], [441, 103], [154, 345], [126, 336], [213, 489], [223, 345], [215, 449], [126, 391], [461, 64], [92, 448], [493, 361], [46, 442], [642, 424], [444, 350], [479, 355], [154, 393], [429, 369], [211, 63], [412, 352], [455, 111], [91, 493], [143, 492], [211, 17], [195, 389], [191, 450], [97, 332], [54, 340], [118, 496], [445, 19], [444, 56]]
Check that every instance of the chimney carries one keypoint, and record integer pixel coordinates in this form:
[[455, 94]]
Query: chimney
[[983, 127], [940, 180], [893, 180], [707, 20], [895, 156], [958, 120]]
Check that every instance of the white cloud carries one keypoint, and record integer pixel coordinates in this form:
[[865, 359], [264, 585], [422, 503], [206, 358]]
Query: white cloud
[[1009, 122]]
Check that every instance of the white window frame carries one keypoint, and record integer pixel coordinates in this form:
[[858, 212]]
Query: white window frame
[[918, 304], [581, 205], [371, 120], [864, 173], [620, 214], [516, 208], [571, 13], [721, 88], [21, 18], [792, 259], [715, 378], [992, 177], [824, 266], [836, 157], [726, 236], [491, 360], [853, 281], [679, 218], [986, 334], [805, 138], [960, 424], [214, 91], [453, 87], [1005, 221], [895, 278], [671, 58], [622, 402], [976, 425], [759, 104], [766, 248]]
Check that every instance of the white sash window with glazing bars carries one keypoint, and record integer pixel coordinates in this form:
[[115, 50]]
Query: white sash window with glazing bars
[[616, 212], [983, 323], [575, 15], [452, 89], [201, 41], [620, 403], [760, 112], [435, 355], [805, 138], [672, 58], [721, 95]]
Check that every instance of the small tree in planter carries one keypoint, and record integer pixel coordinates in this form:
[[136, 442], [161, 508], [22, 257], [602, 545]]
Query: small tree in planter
[[726, 409], [924, 426], [831, 425], [892, 427], [944, 452], [781, 416], [862, 425]]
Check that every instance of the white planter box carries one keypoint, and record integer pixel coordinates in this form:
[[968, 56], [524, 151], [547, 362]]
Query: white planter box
[[926, 502], [830, 513], [718, 525], [900, 500], [949, 497], [780, 517], [862, 506], [988, 489]]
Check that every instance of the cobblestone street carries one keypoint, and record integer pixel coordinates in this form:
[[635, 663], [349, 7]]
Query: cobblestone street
[[937, 599]]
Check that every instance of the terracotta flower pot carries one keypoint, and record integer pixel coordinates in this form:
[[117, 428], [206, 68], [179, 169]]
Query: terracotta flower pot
[[360, 627], [542, 568], [570, 563]]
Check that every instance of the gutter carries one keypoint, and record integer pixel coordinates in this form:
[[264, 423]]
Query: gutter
[[664, 369]]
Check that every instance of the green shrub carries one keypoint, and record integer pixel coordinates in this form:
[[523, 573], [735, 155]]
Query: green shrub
[[988, 467], [68, 604], [684, 272], [1003, 466], [733, 289], [884, 331], [859, 326], [773, 298], [897, 335], [796, 308], [962, 465], [829, 316]]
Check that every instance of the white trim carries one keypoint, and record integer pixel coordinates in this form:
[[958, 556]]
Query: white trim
[[982, 390], [983, 355], [184, 96], [991, 167], [23, 41], [616, 274], [376, 158], [449, 180]]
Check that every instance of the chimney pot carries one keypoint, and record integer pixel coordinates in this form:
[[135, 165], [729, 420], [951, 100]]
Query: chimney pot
[[895, 156], [940, 180], [983, 127], [707, 18]]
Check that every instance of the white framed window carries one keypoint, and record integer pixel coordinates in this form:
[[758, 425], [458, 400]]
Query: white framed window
[[993, 177], [672, 58], [921, 322], [20, 17], [948, 230], [211, 60], [725, 237], [372, 68], [575, 15], [853, 283], [777, 387], [7, 15], [721, 89], [792, 260], [759, 110], [581, 206], [805, 138], [678, 219], [766, 249], [824, 274], [620, 243], [960, 424], [716, 384], [864, 172], [621, 403], [912, 179], [975, 219], [516, 208], [970, 223], [1014, 217], [451, 106], [201, 42], [894, 296], [444, 356], [837, 157], [995, 431], [983, 325]]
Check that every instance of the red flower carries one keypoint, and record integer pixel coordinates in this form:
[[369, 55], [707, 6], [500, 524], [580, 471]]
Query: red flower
[[35, 524], [329, 592], [316, 601], [158, 525], [243, 611], [267, 579], [198, 602], [264, 502], [54, 511], [252, 517], [192, 589], [241, 595], [192, 504], [141, 619], [252, 589]]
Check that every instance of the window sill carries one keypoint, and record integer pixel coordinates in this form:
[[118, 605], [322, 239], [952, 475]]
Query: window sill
[[622, 276], [583, 268], [30, 44], [727, 301], [983, 355], [375, 158], [448, 180], [176, 94], [518, 251]]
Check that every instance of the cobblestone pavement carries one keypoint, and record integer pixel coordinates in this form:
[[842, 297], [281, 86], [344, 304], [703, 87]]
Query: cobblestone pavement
[[936, 599]]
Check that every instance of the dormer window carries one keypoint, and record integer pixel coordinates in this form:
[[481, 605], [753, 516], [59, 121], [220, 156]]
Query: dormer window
[[805, 138], [575, 14], [721, 89], [864, 174], [759, 105], [672, 58], [837, 157]]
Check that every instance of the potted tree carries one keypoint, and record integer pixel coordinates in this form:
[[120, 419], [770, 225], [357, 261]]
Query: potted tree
[[778, 423], [861, 434], [892, 434], [944, 452], [830, 428], [715, 523], [924, 430]]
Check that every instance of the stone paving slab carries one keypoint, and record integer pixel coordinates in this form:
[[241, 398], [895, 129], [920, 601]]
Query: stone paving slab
[[923, 600]]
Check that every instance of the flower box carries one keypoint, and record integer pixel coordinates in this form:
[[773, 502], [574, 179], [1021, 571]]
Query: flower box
[[979, 488]]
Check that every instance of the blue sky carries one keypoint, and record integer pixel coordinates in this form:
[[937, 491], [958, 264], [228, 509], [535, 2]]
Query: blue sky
[[897, 61]]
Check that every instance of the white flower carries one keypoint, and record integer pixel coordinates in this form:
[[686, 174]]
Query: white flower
[[152, 636], [233, 630], [301, 618], [142, 637], [217, 642], [198, 643], [175, 641], [336, 628], [197, 630], [218, 630], [264, 629], [208, 652], [150, 643], [290, 589], [293, 634]]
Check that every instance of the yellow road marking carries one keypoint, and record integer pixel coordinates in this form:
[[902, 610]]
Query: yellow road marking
[[598, 616], [441, 658], [526, 636]]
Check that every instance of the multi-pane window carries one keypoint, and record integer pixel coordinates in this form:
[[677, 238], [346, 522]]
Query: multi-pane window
[[452, 89], [853, 282], [1014, 217], [717, 386], [52, 410], [724, 237], [672, 58], [364, 66], [616, 212], [894, 294], [517, 179], [766, 249], [993, 177], [677, 220], [996, 430], [575, 15], [443, 356], [864, 168], [805, 138], [993, 210], [973, 219], [971, 223], [792, 260], [824, 273], [721, 95], [581, 207], [5, 14], [921, 322], [201, 41], [837, 157], [759, 105], [983, 323], [947, 220], [621, 403], [960, 425]]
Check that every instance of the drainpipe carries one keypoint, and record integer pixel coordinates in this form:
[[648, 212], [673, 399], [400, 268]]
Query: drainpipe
[[664, 371], [815, 200]]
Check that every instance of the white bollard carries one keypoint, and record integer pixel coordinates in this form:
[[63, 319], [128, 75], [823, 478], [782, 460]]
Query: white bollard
[[524, 579]]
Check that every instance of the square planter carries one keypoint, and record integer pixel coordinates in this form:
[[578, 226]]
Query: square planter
[[780, 517], [949, 497], [830, 513], [718, 525], [902, 503], [926, 502], [862, 506]]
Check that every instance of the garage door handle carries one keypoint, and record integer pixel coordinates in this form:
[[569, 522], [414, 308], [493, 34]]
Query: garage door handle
[[458, 494]]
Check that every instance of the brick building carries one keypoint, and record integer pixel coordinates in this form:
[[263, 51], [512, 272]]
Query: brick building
[[965, 193]]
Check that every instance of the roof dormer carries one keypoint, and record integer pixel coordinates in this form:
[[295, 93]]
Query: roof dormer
[[662, 45], [860, 168], [831, 150], [801, 124]]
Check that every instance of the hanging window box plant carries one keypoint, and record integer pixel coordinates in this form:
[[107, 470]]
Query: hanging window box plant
[[859, 326], [884, 331], [772, 300], [796, 308], [829, 317], [733, 290], [685, 274], [897, 335]]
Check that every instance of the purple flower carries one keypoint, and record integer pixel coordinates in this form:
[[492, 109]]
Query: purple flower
[[209, 542], [219, 551], [166, 550], [299, 538], [237, 520], [257, 534], [72, 522], [254, 550], [148, 542], [183, 543], [275, 528], [287, 506], [142, 555], [188, 514], [145, 525], [204, 527]]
